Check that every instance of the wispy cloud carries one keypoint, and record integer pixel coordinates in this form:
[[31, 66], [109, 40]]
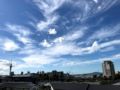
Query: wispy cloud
[[8, 45], [38, 59], [65, 45], [111, 48], [106, 32], [87, 62], [110, 43], [90, 8], [22, 33], [61, 49], [72, 36], [57, 47], [73, 49], [87, 9], [42, 25], [99, 46], [48, 8]]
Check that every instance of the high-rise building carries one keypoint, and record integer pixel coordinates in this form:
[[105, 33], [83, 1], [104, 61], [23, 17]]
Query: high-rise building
[[108, 69]]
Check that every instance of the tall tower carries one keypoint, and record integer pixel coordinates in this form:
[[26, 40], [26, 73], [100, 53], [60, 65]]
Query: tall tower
[[108, 69], [10, 66]]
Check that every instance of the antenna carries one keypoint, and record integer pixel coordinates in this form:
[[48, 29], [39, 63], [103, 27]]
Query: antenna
[[10, 65]]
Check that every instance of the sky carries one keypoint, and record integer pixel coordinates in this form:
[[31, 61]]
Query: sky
[[74, 36]]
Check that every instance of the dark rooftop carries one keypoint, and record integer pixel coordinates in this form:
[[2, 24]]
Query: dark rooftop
[[69, 86], [17, 84], [78, 86]]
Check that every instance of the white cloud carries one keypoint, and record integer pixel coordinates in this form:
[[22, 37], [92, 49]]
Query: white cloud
[[47, 55], [86, 62], [59, 40], [52, 31], [60, 49], [45, 43], [89, 49], [90, 8], [55, 52], [76, 63], [47, 6], [48, 10], [87, 10], [111, 48], [110, 43], [95, 47], [77, 34], [96, 1], [9, 45], [22, 33], [66, 45], [107, 4], [106, 32], [42, 25], [52, 55], [73, 49], [99, 47], [38, 59], [29, 49], [24, 40], [68, 38], [71, 36]]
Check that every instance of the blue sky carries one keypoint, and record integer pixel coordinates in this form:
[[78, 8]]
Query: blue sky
[[73, 36]]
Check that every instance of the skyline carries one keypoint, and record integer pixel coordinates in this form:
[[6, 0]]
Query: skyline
[[73, 36]]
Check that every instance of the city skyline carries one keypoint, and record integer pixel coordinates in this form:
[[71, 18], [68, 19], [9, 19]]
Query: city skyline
[[73, 36]]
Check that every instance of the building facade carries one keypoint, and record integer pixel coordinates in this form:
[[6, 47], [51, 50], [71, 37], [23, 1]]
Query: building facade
[[108, 69]]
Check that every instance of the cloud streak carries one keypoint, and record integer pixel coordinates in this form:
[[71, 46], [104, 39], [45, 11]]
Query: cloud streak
[[8, 45], [89, 8], [106, 32], [20, 32], [48, 10], [88, 62]]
